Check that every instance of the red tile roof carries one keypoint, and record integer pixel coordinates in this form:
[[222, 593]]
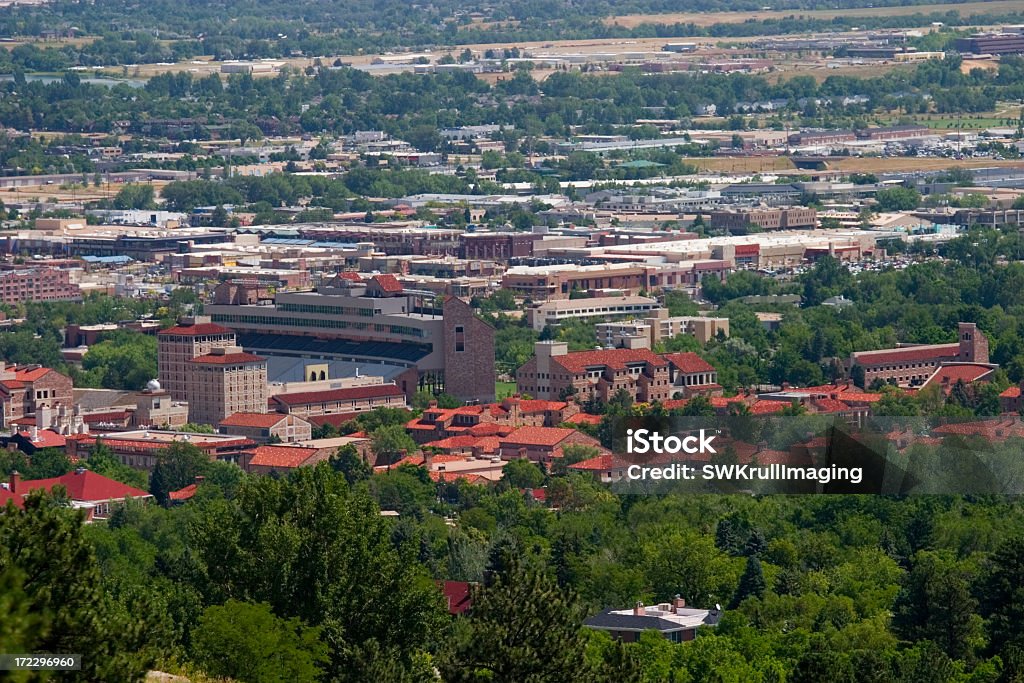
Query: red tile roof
[[1012, 392], [585, 418], [183, 494], [194, 330], [948, 375], [350, 394], [907, 354], [30, 374], [82, 486], [486, 444], [689, 362], [351, 276], [281, 456], [334, 419], [456, 595], [468, 477], [227, 359], [45, 438], [601, 463], [261, 420], [615, 359], [388, 282], [538, 436], [830, 405]]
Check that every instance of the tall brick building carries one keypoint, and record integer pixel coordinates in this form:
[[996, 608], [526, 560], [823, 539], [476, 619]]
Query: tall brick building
[[913, 365], [224, 382], [37, 284], [176, 346]]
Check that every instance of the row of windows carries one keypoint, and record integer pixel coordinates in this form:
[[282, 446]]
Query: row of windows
[[403, 330], [330, 310]]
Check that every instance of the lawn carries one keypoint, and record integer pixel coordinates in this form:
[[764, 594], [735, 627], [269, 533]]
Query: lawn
[[504, 389]]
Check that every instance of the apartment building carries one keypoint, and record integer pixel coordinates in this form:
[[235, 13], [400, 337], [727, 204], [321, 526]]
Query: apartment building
[[372, 321], [223, 382], [176, 346], [37, 284], [553, 312], [554, 373], [764, 218], [649, 331], [913, 365]]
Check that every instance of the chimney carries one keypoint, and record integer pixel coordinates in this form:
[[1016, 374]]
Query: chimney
[[678, 603], [15, 478], [638, 609]]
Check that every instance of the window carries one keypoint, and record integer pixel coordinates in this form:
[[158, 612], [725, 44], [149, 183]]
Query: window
[[460, 339]]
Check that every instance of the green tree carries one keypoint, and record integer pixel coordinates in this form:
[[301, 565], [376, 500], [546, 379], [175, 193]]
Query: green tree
[[351, 464], [53, 596], [388, 442], [177, 466], [523, 629], [311, 548], [248, 643], [46, 463], [522, 474], [936, 604], [135, 196], [752, 582], [898, 199], [1002, 600]]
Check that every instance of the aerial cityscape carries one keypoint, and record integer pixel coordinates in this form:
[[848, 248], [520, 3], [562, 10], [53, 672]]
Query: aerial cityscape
[[512, 342]]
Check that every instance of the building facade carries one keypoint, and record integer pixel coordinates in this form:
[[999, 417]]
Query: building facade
[[224, 382], [374, 321], [554, 374], [911, 366], [37, 284], [178, 345]]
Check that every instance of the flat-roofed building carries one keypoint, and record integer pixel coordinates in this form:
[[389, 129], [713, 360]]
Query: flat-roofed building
[[553, 312]]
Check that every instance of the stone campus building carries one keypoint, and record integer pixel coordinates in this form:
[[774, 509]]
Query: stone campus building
[[912, 365]]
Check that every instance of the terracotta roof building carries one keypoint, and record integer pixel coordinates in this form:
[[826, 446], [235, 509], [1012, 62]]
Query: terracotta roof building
[[912, 366], [339, 401], [262, 427], [92, 492], [224, 382], [176, 346], [554, 374]]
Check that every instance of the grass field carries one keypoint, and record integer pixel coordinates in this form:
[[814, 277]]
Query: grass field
[[504, 389], [709, 18]]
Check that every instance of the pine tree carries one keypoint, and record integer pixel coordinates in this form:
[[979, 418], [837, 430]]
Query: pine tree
[[52, 595], [751, 583], [522, 628]]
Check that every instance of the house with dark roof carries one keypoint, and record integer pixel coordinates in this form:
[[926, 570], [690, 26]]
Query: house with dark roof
[[673, 620]]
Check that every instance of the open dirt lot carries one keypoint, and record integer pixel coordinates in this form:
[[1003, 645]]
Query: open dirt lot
[[709, 18]]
